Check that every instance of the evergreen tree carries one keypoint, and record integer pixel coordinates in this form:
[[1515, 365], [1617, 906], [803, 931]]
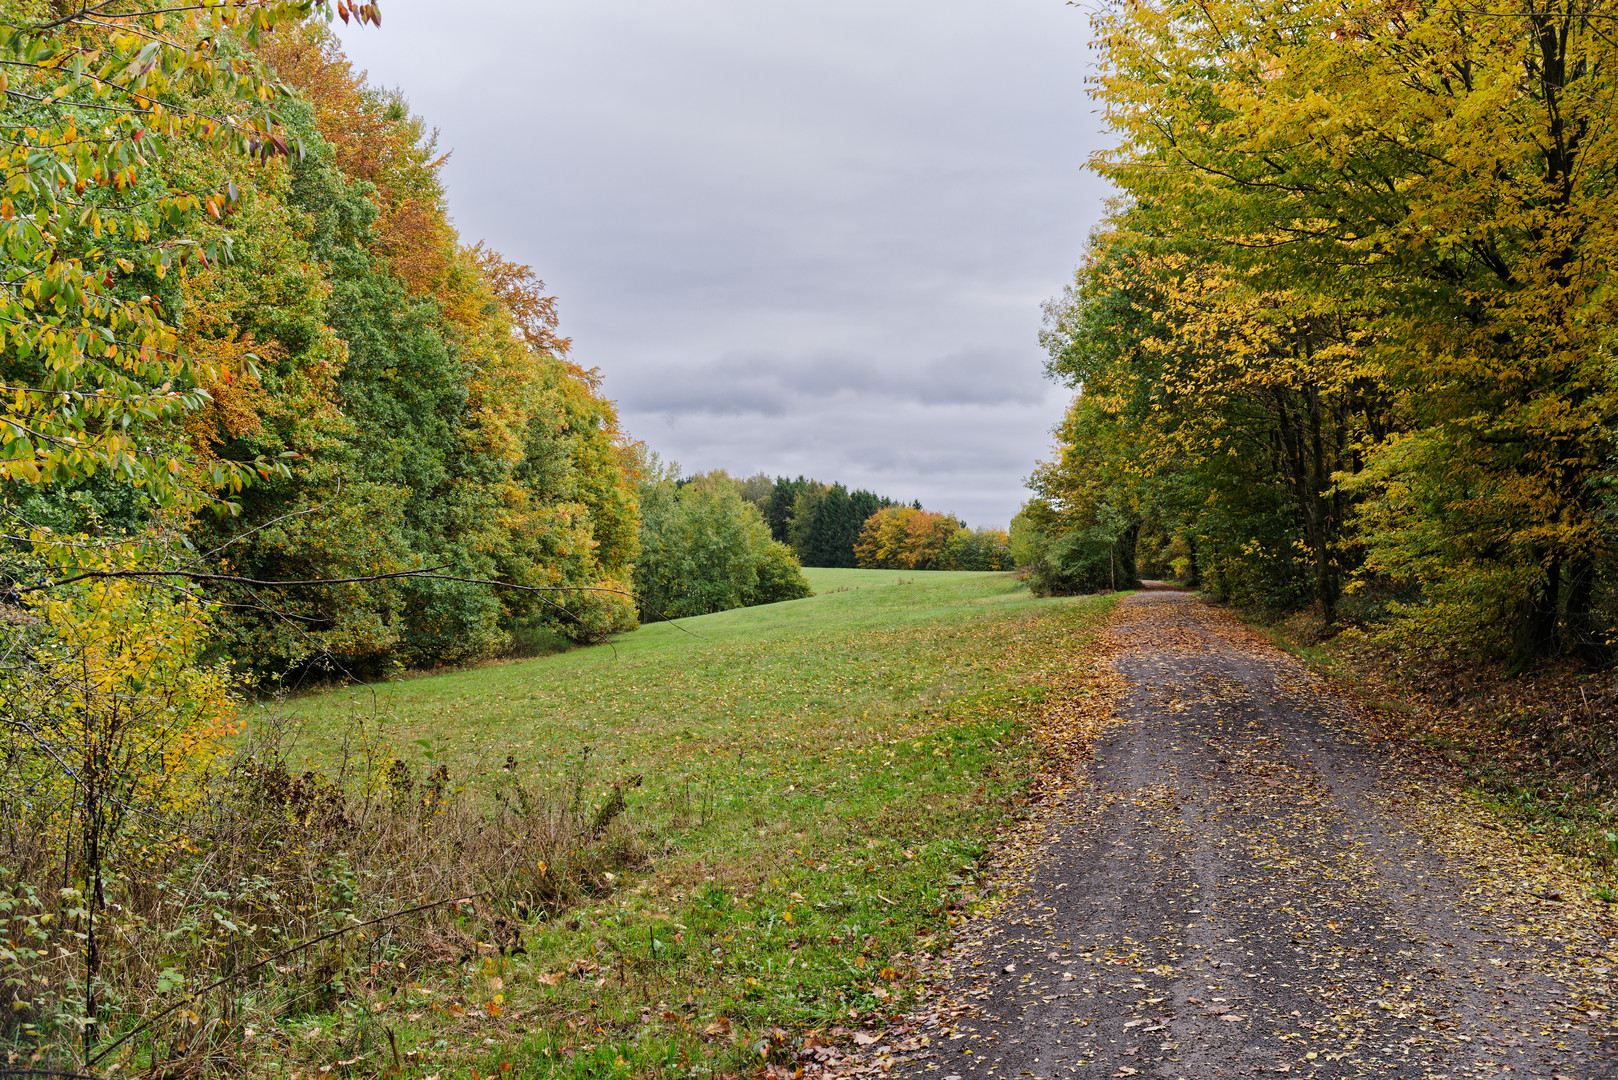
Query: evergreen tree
[[778, 508]]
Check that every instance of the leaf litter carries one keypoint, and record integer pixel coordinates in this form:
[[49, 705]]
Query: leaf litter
[[1232, 861]]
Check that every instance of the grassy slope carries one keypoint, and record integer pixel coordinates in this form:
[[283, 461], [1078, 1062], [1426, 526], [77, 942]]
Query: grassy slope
[[819, 776], [828, 579]]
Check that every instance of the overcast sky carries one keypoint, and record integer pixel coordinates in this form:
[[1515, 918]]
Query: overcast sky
[[806, 237]]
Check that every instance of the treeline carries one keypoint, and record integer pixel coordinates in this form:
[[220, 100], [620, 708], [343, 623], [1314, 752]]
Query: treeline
[[1347, 339], [433, 411], [820, 522], [829, 525]]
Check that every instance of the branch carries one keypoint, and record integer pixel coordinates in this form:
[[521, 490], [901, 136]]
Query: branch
[[284, 953]]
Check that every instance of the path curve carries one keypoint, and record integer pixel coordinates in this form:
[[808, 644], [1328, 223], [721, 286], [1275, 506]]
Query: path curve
[[1244, 880]]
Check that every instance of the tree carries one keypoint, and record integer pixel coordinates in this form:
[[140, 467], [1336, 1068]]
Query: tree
[[95, 373], [705, 549], [904, 538], [778, 513], [1399, 226], [1258, 398]]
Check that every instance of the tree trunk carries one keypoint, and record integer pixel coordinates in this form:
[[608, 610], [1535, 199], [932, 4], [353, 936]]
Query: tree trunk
[[1535, 616], [1193, 571], [1323, 534], [1582, 637], [1128, 544]]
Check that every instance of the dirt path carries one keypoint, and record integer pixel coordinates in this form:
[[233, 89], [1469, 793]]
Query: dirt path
[[1242, 881]]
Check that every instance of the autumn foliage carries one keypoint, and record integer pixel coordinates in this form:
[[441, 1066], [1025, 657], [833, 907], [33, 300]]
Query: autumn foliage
[[437, 417], [1346, 340], [904, 538]]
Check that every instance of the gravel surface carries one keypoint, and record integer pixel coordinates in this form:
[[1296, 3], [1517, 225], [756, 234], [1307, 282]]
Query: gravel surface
[[1244, 880]]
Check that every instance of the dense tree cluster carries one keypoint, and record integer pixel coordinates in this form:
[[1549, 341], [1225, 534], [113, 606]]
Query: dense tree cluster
[[906, 538], [1348, 336], [820, 522], [705, 548], [413, 391]]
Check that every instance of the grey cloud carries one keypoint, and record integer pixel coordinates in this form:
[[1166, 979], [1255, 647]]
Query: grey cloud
[[741, 384], [808, 237]]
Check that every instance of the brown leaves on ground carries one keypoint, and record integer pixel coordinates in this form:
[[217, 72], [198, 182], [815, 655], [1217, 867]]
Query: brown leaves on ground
[[1549, 736], [1081, 697], [874, 1049]]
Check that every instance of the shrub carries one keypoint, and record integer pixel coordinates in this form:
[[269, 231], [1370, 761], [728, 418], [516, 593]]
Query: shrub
[[352, 881], [704, 548], [978, 549]]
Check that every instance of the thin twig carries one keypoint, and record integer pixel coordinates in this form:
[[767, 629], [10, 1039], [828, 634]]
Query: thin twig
[[283, 954]]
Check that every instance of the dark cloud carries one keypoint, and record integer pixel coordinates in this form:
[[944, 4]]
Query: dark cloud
[[806, 238]]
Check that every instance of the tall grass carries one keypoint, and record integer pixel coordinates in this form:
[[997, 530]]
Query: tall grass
[[273, 895]]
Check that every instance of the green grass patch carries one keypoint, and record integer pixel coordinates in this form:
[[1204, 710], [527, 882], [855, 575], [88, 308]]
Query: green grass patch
[[817, 782], [833, 579]]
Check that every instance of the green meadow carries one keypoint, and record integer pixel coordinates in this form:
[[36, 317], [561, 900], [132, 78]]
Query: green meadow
[[810, 787]]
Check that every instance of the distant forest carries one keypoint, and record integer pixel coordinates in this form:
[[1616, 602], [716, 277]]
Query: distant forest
[[820, 522]]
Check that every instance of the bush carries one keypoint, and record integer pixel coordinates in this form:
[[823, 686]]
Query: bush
[[1058, 560], [704, 548], [1073, 563], [779, 576], [978, 549], [380, 868]]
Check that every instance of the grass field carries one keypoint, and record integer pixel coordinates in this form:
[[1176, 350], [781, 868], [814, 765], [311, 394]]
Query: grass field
[[825, 580], [817, 780]]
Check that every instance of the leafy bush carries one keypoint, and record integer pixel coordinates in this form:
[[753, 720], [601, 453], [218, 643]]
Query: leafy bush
[[978, 549], [345, 880], [1072, 563], [704, 548], [1057, 559]]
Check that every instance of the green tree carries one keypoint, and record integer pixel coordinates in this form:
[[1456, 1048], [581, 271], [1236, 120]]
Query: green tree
[[704, 549], [95, 374]]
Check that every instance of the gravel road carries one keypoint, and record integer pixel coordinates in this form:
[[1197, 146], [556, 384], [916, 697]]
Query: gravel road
[[1245, 880]]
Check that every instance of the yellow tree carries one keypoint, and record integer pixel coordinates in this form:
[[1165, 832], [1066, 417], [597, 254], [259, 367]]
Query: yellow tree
[[112, 728], [1443, 176], [904, 538]]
